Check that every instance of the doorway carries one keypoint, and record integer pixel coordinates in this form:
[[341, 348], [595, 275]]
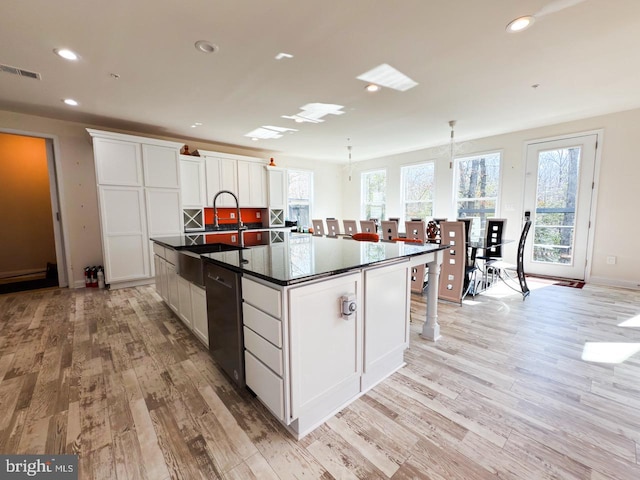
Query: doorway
[[32, 250], [559, 195]]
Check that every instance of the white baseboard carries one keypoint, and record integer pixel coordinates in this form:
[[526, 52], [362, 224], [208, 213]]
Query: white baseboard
[[78, 284], [612, 282]]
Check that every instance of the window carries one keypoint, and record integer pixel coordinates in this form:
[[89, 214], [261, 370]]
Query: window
[[417, 190], [476, 191], [373, 187], [299, 195]]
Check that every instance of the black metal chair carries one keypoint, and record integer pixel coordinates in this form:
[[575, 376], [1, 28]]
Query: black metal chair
[[501, 268], [492, 247]]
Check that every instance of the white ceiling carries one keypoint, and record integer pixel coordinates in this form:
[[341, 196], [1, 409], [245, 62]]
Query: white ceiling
[[468, 68]]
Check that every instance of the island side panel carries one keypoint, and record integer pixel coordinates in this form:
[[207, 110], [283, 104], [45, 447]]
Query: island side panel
[[326, 349], [386, 313]]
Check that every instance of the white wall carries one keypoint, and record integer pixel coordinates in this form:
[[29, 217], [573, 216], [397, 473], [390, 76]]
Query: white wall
[[616, 229], [79, 201]]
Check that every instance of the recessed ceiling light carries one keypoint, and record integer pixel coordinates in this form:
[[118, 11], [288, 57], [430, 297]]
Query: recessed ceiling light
[[254, 139], [193, 126], [205, 46], [372, 87], [282, 55], [198, 124], [65, 53], [71, 102], [520, 23]]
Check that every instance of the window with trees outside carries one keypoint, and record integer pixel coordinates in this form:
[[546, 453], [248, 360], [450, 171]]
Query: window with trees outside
[[299, 196], [477, 188], [417, 190], [373, 191]]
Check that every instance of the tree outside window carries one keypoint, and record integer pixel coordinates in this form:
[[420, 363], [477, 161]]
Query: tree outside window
[[418, 184], [477, 188], [300, 193], [373, 191]]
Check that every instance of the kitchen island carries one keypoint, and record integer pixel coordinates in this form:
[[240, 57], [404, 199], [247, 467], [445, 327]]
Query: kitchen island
[[324, 319]]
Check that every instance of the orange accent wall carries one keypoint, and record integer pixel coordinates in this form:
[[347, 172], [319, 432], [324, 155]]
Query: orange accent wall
[[249, 215], [27, 241]]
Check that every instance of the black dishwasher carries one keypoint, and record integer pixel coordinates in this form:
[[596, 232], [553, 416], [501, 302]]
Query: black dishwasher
[[224, 314]]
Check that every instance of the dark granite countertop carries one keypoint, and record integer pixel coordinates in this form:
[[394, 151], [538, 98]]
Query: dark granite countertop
[[302, 257]]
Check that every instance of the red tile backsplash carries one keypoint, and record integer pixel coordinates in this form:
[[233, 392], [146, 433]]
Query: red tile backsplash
[[249, 215]]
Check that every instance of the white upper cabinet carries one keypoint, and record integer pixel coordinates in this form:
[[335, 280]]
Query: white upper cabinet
[[161, 166], [222, 174], [252, 184], [193, 182], [277, 182], [118, 162]]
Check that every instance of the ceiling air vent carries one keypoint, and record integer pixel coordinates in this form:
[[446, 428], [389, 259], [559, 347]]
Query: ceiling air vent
[[19, 71]]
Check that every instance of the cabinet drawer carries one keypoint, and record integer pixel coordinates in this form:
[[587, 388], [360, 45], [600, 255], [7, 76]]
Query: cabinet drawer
[[260, 296], [269, 355], [159, 250], [265, 384], [171, 256], [263, 324]]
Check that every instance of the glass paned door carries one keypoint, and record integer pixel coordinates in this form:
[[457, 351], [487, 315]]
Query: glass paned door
[[558, 195]]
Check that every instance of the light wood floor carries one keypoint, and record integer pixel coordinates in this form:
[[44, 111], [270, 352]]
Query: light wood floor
[[116, 378]]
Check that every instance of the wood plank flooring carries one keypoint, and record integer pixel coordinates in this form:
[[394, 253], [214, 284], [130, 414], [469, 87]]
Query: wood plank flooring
[[116, 378]]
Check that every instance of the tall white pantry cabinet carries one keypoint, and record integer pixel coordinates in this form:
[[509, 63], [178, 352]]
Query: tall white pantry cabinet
[[138, 181]]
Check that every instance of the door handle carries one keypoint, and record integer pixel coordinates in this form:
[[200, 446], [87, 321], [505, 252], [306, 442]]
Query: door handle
[[219, 280]]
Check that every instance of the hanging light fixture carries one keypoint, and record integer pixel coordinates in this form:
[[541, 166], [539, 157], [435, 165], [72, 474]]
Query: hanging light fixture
[[452, 143], [349, 152]]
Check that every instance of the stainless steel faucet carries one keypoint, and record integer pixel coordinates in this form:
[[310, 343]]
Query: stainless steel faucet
[[239, 224]]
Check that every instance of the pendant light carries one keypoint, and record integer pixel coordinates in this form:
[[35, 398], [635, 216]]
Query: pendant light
[[452, 144], [350, 167]]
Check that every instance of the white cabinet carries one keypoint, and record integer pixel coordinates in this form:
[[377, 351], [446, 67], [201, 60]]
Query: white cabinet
[[263, 341], [305, 360], [184, 295], [222, 174], [173, 298], [386, 335], [164, 215], [193, 182], [277, 187], [242, 175], [199, 312], [252, 184], [139, 197], [118, 162], [124, 233], [161, 167], [326, 349], [186, 299]]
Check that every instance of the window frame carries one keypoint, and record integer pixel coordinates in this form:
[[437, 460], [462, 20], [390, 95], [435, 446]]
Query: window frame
[[363, 204], [498, 195], [311, 192], [403, 200]]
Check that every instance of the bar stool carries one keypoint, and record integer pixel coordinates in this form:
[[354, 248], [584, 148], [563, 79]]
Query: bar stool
[[389, 230], [416, 230], [350, 227], [318, 227], [333, 227], [368, 226]]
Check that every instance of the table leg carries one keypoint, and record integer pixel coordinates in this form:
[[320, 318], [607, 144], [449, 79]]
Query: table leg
[[431, 329]]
